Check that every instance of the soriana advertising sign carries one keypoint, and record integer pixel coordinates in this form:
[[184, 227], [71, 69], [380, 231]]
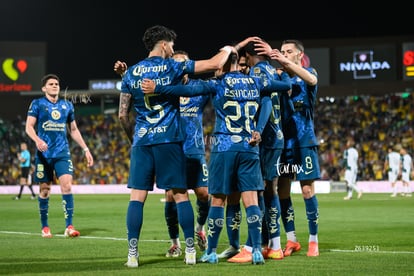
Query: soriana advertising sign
[[22, 66]]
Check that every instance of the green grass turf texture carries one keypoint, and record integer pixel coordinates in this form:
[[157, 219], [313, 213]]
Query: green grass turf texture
[[370, 236]]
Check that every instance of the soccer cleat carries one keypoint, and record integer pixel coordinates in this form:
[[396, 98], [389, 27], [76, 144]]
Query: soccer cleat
[[71, 232], [393, 195], [201, 240], [264, 251], [228, 253], [132, 262], [347, 198], [174, 251], [313, 250], [408, 195], [33, 197], [46, 232], [16, 198], [291, 247], [257, 257], [211, 258], [190, 256], [243, 257], [274, 254], [359, 195]]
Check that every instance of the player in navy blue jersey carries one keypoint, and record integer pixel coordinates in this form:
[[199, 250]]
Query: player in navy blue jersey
[[191, 111], [49, 119], [270, 151], [233, 213], [157, 137], [234, 162], [301, 144]]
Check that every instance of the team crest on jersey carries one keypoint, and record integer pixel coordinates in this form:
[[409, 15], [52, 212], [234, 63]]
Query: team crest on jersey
[[184, 100], [256, 70], [40, 174], [56, 114]]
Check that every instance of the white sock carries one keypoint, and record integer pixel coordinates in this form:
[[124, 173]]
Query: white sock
[[313, 238], [275, 243], [176, 242], [291, 236]]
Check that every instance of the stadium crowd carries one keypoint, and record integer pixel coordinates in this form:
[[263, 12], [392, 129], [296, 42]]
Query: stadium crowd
[[374, 122]]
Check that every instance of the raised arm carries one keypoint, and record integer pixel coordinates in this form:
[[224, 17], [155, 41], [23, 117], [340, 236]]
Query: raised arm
[[292, 68], [120, 67], [214, 63], [188, 90]]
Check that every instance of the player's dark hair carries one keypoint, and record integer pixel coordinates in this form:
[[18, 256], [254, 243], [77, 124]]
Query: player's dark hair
[[48, 77], [181, 52], [298, 44], [155, 34], [250, 49]]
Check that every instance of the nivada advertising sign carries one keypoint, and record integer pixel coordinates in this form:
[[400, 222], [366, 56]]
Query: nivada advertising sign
[[364, 63]]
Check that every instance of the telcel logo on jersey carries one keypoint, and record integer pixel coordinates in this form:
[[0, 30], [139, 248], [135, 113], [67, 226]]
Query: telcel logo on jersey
[[12, 70]]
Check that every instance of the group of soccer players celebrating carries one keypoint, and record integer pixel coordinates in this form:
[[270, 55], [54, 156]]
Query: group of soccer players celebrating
[[263, 139]]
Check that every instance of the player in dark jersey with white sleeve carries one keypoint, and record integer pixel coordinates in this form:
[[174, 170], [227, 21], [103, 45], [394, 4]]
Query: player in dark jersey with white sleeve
[[157, 137], [234, 162], [48, 121], [301, 144]]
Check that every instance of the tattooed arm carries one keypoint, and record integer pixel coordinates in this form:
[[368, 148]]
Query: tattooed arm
[[123, 115]]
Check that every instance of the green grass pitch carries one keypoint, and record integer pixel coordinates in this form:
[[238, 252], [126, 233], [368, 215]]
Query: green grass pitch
[[370, 236]]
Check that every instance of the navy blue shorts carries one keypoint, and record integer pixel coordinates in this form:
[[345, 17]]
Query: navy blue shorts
[[162, 163], [270, 162], [234, 171], [197, 171], [300, 163], [47, 168]]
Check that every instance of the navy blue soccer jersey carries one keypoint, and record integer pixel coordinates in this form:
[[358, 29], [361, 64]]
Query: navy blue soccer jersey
[[191, 109], [272, 136], [236, 99], [52, 120], [157, 116], [298, 122]]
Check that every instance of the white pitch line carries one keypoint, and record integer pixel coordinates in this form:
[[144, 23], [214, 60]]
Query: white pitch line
[[124, 239], [81, 237], [371, 251]]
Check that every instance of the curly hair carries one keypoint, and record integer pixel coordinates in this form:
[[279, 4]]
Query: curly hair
[[157, 33]]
